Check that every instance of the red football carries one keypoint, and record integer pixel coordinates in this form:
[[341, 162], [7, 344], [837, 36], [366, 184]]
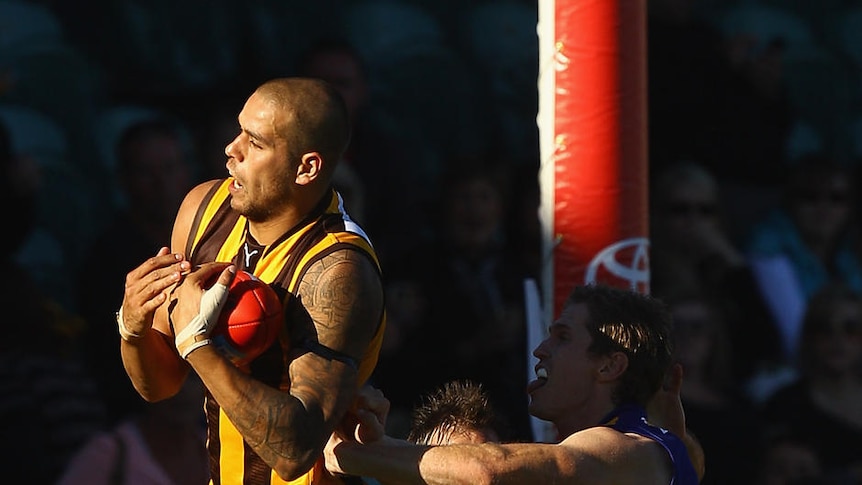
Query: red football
[[250, 320]]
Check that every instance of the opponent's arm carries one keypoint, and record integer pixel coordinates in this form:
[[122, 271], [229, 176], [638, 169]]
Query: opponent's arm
[[665, 410], [147, 344], [342, 300], [593, 456]]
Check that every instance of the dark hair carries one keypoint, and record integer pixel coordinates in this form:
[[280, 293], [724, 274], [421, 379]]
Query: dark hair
[[636, 324], [453, 407]]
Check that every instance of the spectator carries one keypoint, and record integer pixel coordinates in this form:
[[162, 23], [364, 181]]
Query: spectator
[[476, 296], [715, 403], [153, 172], [375, 170], [785, 460], [48, 401], [162, 445], [693, 250], [687, 73], [806, 243], [821, 407]]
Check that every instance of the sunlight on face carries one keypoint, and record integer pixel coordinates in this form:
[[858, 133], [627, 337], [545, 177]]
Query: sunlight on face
[[259, 161], [570, 385]]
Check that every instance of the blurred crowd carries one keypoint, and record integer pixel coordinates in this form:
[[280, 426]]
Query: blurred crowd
[[112, 110]]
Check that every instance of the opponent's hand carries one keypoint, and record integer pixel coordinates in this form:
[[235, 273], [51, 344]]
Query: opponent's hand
[[147, 288], [370, 410], [665, 410], [364, 423], [197, 308], [330, 456], [665, 407]]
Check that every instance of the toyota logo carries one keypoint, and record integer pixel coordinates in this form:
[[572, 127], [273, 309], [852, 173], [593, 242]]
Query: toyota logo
[[627, 261]]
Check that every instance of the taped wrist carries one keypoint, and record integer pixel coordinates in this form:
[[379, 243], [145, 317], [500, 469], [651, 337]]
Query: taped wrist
[[125, 333], [196, 334]]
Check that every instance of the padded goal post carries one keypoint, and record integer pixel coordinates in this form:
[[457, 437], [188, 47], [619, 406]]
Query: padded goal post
[[593, 142]]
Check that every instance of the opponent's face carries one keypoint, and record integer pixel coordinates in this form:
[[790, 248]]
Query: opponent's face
[[259, 160], [566, 372]]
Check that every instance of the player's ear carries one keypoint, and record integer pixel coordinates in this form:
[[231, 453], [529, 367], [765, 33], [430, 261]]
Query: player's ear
[[612, 366], [310, 167]]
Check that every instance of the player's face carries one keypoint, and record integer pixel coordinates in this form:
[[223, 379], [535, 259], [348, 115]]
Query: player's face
[[566, 372], [259, 162]]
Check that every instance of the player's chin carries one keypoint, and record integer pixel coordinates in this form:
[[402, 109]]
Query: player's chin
[[238, 202]]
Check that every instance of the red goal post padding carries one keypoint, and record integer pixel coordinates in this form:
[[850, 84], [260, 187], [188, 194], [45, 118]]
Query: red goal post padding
[[593, 131]]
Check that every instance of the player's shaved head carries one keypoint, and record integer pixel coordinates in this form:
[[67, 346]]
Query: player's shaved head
[[315, 117]]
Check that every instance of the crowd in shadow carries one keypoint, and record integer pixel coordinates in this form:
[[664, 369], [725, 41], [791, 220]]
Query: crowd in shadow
[[755, 237]]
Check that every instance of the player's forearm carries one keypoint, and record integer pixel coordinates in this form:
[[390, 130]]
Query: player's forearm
[[278, 427], [388, 461], [695, 454], [153, 366], [392, 461]]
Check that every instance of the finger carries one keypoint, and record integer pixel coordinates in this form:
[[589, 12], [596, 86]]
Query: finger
[[226, 276], [369, 428], [215, 297], [159, 266], [155, 284], [374, 401], [206, 273]]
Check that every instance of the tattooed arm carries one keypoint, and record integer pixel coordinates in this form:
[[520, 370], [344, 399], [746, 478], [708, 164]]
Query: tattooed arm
[[342, 299]]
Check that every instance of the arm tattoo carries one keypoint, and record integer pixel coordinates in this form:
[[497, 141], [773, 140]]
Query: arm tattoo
[[342, 300]]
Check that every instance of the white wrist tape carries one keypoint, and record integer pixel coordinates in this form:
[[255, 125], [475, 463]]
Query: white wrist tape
[[197, 333], [125, 333]]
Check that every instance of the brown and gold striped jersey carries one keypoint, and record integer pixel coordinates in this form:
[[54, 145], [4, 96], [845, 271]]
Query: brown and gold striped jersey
[[219, 233]]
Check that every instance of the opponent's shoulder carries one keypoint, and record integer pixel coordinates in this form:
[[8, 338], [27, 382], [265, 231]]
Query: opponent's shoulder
[[598, 436], [605, 455], [630, 449]]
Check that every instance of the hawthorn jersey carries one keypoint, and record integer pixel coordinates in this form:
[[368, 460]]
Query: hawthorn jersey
[[219, 233], [632, 419]]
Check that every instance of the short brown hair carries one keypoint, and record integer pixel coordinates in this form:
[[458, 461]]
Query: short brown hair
[[637, 324], [456, 406]]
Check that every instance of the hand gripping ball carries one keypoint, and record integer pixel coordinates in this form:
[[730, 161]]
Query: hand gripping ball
[[250, 321]]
